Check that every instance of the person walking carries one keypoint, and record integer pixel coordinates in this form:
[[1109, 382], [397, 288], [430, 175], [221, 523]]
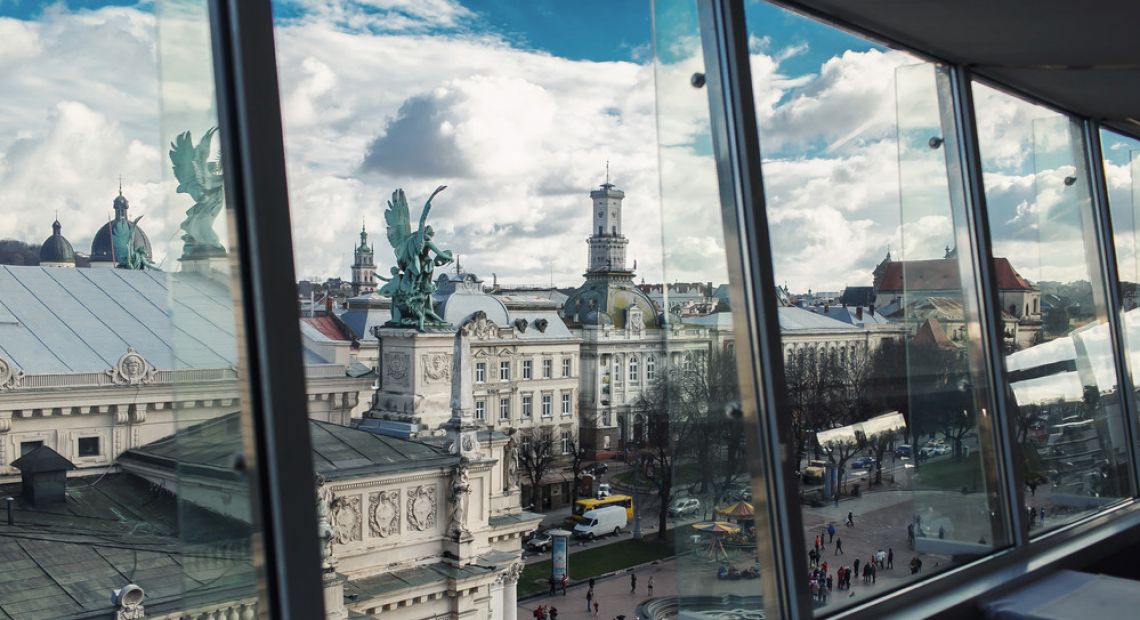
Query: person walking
[[553, 586], [874, 572], [553, 613], [589, 598], [633, 583], [856, 571], [850, 520], [649, 586], [595, 609], [838, 546], [830, 532], [565, 582], [890, 558]]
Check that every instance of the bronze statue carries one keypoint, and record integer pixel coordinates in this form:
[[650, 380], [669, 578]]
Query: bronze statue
[[202, 179], [411, 285]]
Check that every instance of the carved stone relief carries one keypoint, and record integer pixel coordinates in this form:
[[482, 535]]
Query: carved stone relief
[[396, 367], [437, 367], [347, 519], [384, 514], [131, 369], [10, 376], [421, 508], [484, 328]]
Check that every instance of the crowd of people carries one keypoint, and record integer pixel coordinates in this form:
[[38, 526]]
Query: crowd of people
[[824, 578]]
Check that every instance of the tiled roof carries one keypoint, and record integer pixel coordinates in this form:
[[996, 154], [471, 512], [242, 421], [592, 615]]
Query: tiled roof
[[942, 275]]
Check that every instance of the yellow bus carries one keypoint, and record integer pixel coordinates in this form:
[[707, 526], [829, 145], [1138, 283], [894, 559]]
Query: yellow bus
[[583, 506]]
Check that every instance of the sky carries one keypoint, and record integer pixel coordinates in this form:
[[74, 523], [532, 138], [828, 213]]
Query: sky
[[517, 107]]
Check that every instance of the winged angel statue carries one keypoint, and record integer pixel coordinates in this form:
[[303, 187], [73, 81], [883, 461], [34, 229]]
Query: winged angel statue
[[202, 180], [411, 285]]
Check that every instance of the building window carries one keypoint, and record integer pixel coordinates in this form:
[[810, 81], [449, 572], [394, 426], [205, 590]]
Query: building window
[[547, 406], [88, 446], [480, 372], [565, 367], [687, 365], [547, 368], [524, 445], [527, 405], [28, 446], [505, 370], [650, 367], [633, 370], [617, 369], [480, 410], [567, 409], [606, 417], [505, 409], [566, 439], [526, 367]]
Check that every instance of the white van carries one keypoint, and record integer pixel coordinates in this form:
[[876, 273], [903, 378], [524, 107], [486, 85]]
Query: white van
[[601, 521]]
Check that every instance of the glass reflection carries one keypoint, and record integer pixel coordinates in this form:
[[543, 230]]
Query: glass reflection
[[879, 312], [1063, 380]]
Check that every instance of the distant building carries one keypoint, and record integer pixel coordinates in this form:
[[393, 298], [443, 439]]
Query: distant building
[[56, 250], [901, 284], [102, 249], [363, 267]]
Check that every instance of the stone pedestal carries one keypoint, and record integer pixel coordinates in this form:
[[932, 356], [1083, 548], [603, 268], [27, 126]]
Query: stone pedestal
[[459, 550], [210, 266], [415, 379], [333, 585]]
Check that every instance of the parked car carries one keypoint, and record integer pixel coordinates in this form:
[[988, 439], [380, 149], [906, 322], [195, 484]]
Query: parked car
[[934, 449], [601, 521], [684, 506], [904, 451], [863, 462], [603, 490], [541, 541], [597, 469]]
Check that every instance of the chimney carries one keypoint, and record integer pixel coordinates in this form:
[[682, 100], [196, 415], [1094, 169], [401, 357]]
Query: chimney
[[871, 309], [859, 312], [43, 474]]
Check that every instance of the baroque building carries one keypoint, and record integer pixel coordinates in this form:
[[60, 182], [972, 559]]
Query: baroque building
[[363, 266]]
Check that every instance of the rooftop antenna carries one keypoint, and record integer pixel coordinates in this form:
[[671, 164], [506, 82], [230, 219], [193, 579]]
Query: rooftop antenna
[[457, 270], [120, 185], [607, 172]]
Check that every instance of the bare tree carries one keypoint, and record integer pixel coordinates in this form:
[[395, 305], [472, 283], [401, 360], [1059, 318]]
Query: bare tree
[[577, 460], [655, 459], [536, 454]]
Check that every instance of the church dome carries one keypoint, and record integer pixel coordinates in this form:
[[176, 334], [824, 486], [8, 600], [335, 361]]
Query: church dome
[[56, 248], [101, 246]]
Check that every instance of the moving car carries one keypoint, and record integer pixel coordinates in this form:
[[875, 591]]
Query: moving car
[[597, 469], [863, 462], [603, 490], [684, 506], [904, 451], [600, 522], [541, 541], [934, 449]]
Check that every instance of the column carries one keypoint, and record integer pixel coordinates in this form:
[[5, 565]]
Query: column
[[498, 602], [510, 598]]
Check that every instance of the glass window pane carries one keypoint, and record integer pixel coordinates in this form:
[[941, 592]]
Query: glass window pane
[[879, 312], [1122, 169], [1064, 382], [121, 398]]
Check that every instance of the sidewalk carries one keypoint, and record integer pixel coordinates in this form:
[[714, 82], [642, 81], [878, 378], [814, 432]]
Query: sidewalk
[[612, 594]]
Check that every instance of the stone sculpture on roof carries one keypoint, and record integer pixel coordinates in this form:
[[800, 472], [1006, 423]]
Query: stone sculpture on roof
[[126, 254], [202, 180], [411, 285]]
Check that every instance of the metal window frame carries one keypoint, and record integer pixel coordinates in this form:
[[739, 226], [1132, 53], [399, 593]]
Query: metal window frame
[[279, 454]]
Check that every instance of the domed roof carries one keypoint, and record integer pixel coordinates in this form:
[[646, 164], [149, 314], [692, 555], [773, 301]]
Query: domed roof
[[101, 247], [607, 302], [56, 248]]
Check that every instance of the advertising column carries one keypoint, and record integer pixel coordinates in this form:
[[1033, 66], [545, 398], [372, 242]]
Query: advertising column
[[559, 555]]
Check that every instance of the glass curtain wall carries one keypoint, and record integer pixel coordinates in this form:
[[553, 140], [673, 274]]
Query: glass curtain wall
[[697, 428], [1068, 410], [879, 319], [122, 401]]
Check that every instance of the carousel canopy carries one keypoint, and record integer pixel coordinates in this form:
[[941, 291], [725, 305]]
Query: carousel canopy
[[739, 510]]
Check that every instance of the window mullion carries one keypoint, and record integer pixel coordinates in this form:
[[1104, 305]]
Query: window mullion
[[1102, 219]]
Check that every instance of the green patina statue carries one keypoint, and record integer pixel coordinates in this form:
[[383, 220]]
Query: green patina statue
[[202, 180], [411, 285], [123, 249]]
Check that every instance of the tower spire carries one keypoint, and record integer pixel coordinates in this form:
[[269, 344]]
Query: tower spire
[[120, 185], [607, 172]]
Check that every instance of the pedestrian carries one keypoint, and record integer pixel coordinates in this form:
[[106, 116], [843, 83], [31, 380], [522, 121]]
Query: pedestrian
[[589, 598], [941, 532], [874, 573], [595, 609], [565, 582], [553, 585], [1033, 488], [649, 586], [817, 543], [890, 558], [830, 532], [856, 567], [633, 583], [553, 613], [823, 568], [538, 613], [850, 520], [591, 583], [838, 546]]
